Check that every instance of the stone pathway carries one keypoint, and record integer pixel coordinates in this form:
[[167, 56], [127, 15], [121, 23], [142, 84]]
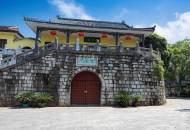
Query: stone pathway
[[175, 115]]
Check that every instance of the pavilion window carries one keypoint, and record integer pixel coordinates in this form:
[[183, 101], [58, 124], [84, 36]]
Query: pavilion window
[[91, 39], [3, 42]]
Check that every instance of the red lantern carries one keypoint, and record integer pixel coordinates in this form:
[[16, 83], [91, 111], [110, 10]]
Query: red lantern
[[128, 38], [53, 33], [81, 34], [104, 35]]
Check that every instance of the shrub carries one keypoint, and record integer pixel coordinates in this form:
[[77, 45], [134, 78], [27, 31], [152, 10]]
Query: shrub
[[24, 98], [40, 99], [185, 92], [135, 100], [34, 99], [158, 68], [123, 99]]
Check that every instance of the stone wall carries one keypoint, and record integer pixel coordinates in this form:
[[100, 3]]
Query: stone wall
[[177, 89], [54, 73]]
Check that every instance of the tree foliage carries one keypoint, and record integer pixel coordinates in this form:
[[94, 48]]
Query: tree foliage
[[159, 44], [158, 68], [176, 57], [179, 64]]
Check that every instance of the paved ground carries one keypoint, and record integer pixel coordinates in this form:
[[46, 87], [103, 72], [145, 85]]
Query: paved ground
[[175, 115]]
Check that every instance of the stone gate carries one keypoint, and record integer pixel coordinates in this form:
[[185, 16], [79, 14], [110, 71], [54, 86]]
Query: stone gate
[[131, 70]]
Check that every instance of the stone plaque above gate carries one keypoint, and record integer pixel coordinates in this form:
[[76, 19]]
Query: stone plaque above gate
[[86, 60]]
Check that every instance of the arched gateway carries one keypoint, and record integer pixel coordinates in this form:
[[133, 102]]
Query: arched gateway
[[85, 89]]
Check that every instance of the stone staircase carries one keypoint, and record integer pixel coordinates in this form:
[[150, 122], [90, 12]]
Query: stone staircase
[[18, 59]]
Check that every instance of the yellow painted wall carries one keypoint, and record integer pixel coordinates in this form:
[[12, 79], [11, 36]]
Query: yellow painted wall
[[133, 42], [14, 42], [49, 38], [73, 39], [10, 38], [24, 43], [107, 41]]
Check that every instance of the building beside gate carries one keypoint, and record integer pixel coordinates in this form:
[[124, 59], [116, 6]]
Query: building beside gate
[[11, 38], [84, 62]]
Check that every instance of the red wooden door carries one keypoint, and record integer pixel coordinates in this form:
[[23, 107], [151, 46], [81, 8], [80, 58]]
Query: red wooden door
[[85, 89]]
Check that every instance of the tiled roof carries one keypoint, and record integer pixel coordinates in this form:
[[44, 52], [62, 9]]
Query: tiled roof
[[93, 23], [90, 24], [13, 29], [8, 28]]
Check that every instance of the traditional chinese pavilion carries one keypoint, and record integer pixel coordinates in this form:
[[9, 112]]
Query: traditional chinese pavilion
[[84, 62], [88, 32]]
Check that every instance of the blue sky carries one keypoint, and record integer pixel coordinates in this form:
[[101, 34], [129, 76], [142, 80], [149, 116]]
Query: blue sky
[[172, 17]]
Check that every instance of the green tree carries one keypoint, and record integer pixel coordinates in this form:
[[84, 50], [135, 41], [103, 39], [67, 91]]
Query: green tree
[[158, 43], [179, 68]]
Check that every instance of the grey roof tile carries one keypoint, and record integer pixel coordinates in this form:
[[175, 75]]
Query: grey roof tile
[[92, 23]]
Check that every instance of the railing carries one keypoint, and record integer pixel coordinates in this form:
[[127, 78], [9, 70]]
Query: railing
[[146, 52], [26, 56], [10, 52], [7, 62], [39, 52], [35, 53], [88, 48], [7, 51]]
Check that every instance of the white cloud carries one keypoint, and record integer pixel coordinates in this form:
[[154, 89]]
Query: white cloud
[[176, 30], [70, 9], [173, 31]]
